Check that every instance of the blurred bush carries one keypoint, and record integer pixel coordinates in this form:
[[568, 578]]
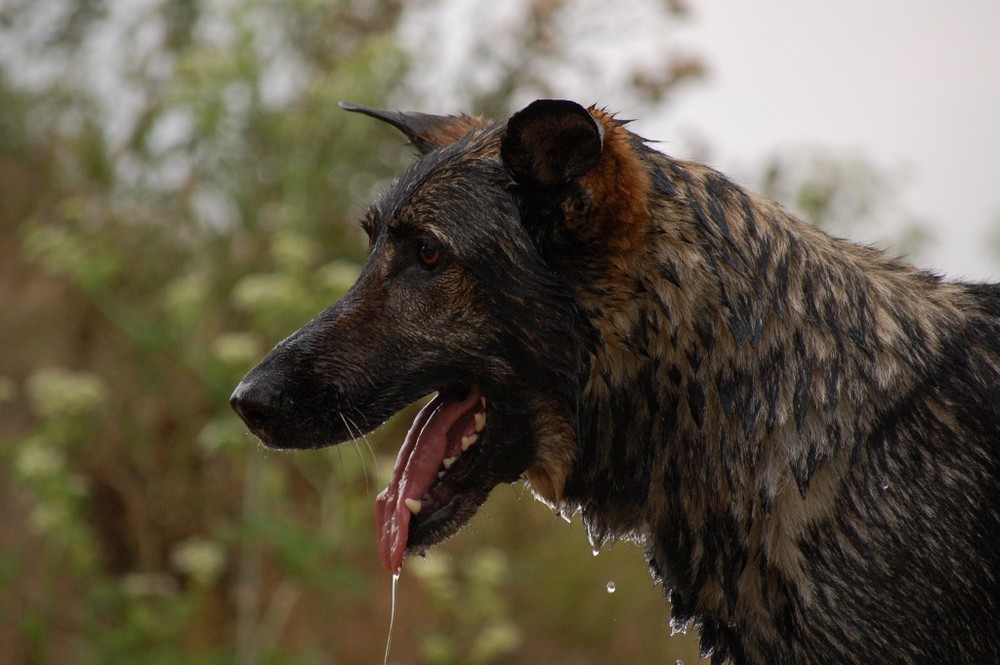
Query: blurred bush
[[177, 187]]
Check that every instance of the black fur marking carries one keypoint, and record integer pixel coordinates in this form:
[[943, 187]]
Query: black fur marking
[[696, 402], [668, 271]]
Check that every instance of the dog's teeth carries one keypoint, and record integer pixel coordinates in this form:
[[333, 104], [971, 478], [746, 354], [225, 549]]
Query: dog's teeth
[[413, 505], [467, 441], [480, 421], [448, 461], [482, 400]]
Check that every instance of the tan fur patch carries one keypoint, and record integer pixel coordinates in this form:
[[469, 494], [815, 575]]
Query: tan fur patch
[[455, 127], [619, 187], [548, 473]]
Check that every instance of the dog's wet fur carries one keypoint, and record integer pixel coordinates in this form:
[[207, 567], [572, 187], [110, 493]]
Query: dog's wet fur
[[803, 433]]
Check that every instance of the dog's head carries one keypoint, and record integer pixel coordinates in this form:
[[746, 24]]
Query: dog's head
[[459, 297]]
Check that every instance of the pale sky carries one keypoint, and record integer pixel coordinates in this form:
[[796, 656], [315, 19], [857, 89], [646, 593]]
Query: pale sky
[[913, 85]]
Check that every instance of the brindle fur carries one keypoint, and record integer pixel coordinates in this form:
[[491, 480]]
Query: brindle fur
[[804, 433]]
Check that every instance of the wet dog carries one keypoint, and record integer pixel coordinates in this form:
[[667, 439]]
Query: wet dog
[[803, 432]]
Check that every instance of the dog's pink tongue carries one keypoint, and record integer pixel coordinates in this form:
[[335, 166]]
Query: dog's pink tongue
[[417, 465]]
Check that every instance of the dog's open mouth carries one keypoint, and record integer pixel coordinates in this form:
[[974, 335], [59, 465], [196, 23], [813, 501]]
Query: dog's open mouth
[[433, 482]]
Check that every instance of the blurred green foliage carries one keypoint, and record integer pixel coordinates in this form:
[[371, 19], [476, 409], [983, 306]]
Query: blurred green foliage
[[848, 196], [177, 190]]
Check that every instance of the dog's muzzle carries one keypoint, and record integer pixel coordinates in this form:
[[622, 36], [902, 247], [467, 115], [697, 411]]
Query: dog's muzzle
[[257, 403]]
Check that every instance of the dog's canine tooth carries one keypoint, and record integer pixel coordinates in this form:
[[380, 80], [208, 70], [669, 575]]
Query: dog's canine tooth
[[448, 461], [468, 441], [480, 421], [413, 505]]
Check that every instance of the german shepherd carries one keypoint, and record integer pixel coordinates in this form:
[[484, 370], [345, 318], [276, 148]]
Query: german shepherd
[[804, 433]]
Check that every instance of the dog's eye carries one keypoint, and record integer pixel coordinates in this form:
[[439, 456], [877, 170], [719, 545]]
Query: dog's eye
[[430, 253]]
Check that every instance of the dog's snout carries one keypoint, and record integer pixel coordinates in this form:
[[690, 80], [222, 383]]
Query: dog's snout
[[256, 403]]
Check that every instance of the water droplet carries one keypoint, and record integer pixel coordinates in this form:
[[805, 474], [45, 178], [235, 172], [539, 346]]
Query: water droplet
[[596, 551], [885, 484], [611, 587], [392, 615], [596, 535]]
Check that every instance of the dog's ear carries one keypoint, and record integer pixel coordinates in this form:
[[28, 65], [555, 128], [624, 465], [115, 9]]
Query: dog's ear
[[550, 142], [425, 131]]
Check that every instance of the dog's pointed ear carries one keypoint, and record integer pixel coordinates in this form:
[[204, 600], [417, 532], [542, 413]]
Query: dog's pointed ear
[[425, 131], [550, 142]]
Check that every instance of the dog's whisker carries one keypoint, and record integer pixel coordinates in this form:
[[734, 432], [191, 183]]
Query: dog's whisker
[[343, 473], [351, 432], [364, 467], [357, 435], [368, 444]]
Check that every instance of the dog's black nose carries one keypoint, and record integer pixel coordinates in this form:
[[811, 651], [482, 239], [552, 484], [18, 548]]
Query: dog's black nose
[[256, 403]]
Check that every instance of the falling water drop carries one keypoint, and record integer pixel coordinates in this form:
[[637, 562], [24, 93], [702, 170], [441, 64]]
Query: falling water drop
[[392, 616], [611, 587], [597, 536]]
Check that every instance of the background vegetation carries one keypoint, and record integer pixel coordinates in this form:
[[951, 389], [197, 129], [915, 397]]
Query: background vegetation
[[177, 193]]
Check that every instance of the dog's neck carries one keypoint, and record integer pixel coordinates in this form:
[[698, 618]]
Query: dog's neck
[[711, 382]]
